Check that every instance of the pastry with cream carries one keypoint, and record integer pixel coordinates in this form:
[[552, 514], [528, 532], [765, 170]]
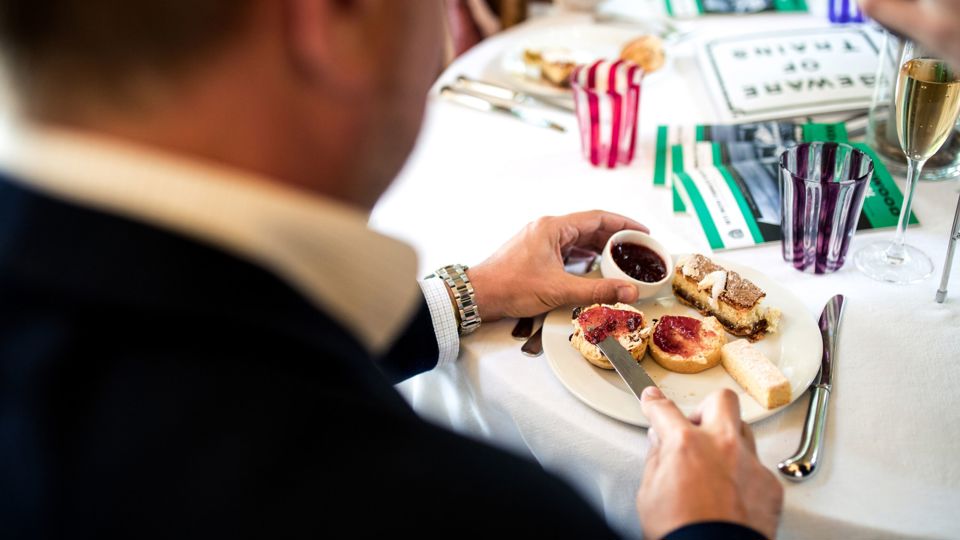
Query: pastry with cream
[[755, 373], [687, 344], [734, 300], [593, 324]]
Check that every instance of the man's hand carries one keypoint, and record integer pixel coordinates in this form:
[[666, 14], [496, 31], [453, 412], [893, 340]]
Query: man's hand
[[525, 277], [934, 23], [704, 469]]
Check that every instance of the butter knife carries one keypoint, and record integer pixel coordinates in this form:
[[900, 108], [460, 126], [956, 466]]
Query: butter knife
[[485, 104], [515, 96], [533, 346], [806, 461], [629, 369]]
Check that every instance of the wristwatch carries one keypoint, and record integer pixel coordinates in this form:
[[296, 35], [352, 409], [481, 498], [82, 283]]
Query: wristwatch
[[455, 276]]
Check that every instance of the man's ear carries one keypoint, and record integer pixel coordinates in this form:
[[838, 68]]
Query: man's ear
[[329, 42]]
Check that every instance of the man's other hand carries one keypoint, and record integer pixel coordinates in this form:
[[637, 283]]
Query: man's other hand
[[935, 23], [525, 277], [704, 468]]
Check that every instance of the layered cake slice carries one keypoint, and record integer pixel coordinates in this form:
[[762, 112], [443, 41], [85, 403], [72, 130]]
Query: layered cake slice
[[593, 324], [733, 300]]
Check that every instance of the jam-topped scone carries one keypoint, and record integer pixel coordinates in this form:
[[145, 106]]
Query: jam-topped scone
[[686, 344], [715, 291], [593, 324]]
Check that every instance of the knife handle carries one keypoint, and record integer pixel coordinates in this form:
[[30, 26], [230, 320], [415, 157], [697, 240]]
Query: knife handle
[[806, 461]]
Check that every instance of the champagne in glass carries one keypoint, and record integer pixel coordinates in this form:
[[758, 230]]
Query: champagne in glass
[[928, 102]]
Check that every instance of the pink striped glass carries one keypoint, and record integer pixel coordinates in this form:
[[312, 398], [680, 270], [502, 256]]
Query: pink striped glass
[[607, 99]]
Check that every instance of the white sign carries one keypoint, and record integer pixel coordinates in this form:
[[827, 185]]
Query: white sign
[[796, 73]]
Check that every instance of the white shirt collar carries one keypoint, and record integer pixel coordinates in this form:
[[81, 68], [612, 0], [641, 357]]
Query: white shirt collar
[[363, 279]]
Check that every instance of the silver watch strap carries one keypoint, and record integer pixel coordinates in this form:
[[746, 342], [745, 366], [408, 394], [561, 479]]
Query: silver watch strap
[[455, 276]]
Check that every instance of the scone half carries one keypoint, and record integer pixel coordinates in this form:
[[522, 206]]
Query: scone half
[[687, 344], [624, 322]]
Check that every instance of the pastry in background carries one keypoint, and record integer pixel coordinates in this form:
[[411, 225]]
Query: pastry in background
[[593, 324], [646, 52], [733, 300], [755, 373], [557, 72], [687, 344], [551, 65]]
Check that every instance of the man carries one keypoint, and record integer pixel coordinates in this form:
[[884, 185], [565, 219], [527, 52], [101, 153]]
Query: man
[[199, 334]]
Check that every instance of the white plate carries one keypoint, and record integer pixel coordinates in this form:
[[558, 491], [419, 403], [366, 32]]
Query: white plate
[[796, 349], [583, 44]]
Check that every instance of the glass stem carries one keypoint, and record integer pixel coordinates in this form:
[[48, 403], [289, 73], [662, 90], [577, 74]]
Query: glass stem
[[895, 253]]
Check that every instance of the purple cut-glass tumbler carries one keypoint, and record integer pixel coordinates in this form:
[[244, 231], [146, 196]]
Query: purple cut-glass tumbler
[[822, 186]]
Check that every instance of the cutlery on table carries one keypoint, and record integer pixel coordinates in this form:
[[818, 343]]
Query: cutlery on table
[[484, 103], [534, 345], [523, 329], [948, 263], [806, 461], [629, 369], [516, 96]]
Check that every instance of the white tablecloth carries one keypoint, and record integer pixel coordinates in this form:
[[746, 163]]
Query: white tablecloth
[[891, 468]]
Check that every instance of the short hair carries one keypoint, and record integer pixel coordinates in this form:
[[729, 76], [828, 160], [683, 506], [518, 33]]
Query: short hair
[[99, 44]]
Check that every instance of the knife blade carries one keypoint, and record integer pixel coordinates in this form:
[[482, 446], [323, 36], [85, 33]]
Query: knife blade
[[629, 369], [806, 460], [829, 328], [485, 104]]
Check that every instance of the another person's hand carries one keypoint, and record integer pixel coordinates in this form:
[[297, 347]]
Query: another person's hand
[[525, 277], [934, 23], [704, 469]]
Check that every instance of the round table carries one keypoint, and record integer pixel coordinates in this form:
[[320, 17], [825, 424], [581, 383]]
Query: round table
[[890, 468]]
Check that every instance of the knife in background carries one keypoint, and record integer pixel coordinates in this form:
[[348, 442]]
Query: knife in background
[[485, 104], [515, 96], [629, 369], [806, 461]]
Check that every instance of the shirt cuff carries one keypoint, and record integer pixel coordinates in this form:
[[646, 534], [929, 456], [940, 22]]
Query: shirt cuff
[[444, 319]]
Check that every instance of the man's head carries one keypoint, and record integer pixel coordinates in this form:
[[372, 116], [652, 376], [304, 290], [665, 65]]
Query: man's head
[[324, 94]]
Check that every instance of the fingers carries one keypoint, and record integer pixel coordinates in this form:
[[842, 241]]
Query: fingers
[[592, 229], [665, 418], [720, 411], [748, 438], [584, 291], [654, 439], [900, 15], [934, 24]]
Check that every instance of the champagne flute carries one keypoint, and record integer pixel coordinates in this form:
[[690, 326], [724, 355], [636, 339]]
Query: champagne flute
[[928, 102]]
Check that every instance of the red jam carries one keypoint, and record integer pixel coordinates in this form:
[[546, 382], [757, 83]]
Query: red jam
[[639, 262], [678, 335], [600, 322]]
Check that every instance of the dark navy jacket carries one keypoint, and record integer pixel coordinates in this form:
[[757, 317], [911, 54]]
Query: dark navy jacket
[[152, 386]]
